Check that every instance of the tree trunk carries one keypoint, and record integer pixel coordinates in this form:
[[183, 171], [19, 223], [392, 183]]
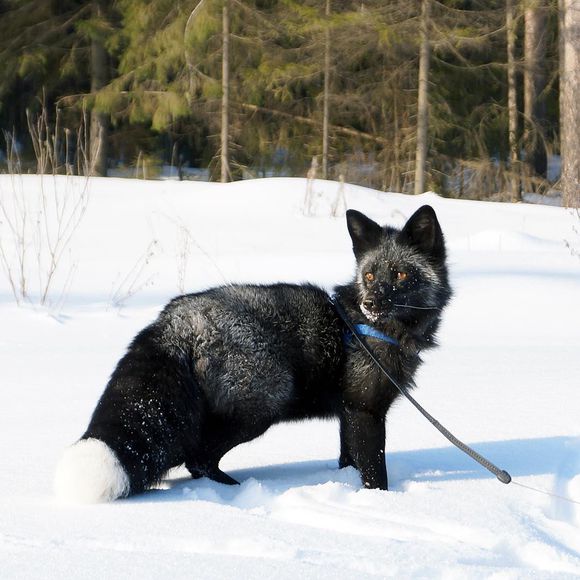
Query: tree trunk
[[326, 96], [535, 47], [395, 184], [224, 156], [423, 100], [99, 130], [514, 186], [569, 39]]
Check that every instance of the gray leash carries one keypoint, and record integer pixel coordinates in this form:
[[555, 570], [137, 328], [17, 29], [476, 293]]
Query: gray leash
[[501, 474], [548, 493]]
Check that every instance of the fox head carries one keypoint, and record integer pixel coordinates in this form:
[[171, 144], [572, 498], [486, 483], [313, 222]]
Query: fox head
[[401, 274]]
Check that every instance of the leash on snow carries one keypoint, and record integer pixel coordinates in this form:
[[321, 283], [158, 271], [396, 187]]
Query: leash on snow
[[545, 492], [501, 474]]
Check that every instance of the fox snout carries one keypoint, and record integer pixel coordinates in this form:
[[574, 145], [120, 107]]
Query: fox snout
[[370, 303], [374, 306]]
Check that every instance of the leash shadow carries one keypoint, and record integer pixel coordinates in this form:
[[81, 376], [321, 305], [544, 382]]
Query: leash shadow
[[520, 457]]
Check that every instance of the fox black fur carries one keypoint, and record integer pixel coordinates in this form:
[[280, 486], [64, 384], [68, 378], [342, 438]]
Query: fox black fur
[[219, 367]]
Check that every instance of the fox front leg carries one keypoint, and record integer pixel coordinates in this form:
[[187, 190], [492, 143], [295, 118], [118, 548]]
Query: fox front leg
[[345, 459], [362, 445]]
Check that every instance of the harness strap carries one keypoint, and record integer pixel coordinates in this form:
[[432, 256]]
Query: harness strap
[[367, 330]]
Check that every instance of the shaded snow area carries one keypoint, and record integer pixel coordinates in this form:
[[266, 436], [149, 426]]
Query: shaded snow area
[[505, 379]]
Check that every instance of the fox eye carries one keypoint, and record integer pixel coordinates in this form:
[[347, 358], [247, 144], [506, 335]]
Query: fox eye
[[369, 277], [402, 276]]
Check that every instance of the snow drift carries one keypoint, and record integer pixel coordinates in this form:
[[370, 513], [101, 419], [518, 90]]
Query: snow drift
[[505, 380]]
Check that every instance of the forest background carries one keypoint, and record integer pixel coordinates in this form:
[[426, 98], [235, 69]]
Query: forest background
[[468, 98]]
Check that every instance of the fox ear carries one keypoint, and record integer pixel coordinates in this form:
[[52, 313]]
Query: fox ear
[[422, 231], [364, 232]]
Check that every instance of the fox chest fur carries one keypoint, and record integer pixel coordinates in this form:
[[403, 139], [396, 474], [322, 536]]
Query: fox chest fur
[[365, 386]]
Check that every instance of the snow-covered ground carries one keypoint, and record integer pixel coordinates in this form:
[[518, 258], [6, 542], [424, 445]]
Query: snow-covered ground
[[506, 379]]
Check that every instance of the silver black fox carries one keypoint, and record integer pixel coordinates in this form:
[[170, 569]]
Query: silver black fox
[[219, 367]]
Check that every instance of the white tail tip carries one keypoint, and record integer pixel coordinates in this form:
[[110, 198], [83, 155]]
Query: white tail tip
[[90, 472]]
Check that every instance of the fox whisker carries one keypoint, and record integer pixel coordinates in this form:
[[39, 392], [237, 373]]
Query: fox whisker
[[417, 307]]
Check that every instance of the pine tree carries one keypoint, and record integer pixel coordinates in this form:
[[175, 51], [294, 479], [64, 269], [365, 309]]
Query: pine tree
[[338, 80], [41, 55], [423, 98], [99, 71], [47, 48], [326, 94], [535, 81], [570, 101], [225, 117], [514, 182]]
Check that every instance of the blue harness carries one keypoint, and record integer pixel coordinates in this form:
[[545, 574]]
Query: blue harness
[[366, 330]]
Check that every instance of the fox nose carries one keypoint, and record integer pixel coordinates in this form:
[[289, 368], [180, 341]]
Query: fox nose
[[369, 303]]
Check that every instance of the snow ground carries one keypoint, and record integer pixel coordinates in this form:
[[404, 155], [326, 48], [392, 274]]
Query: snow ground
[[505, 379]]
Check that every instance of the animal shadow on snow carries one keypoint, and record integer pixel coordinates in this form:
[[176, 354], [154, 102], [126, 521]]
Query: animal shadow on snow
[[520, 457]]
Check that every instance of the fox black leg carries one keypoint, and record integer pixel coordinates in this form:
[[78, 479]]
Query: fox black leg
[[345, 459], [362, 445], [205, 463], [212, 471], [219, 435]]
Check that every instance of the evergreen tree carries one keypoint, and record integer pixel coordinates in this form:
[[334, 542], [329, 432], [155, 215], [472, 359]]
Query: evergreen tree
[[279, 82], [535, 82], [46, 48], [570, 101], [41, 56]]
